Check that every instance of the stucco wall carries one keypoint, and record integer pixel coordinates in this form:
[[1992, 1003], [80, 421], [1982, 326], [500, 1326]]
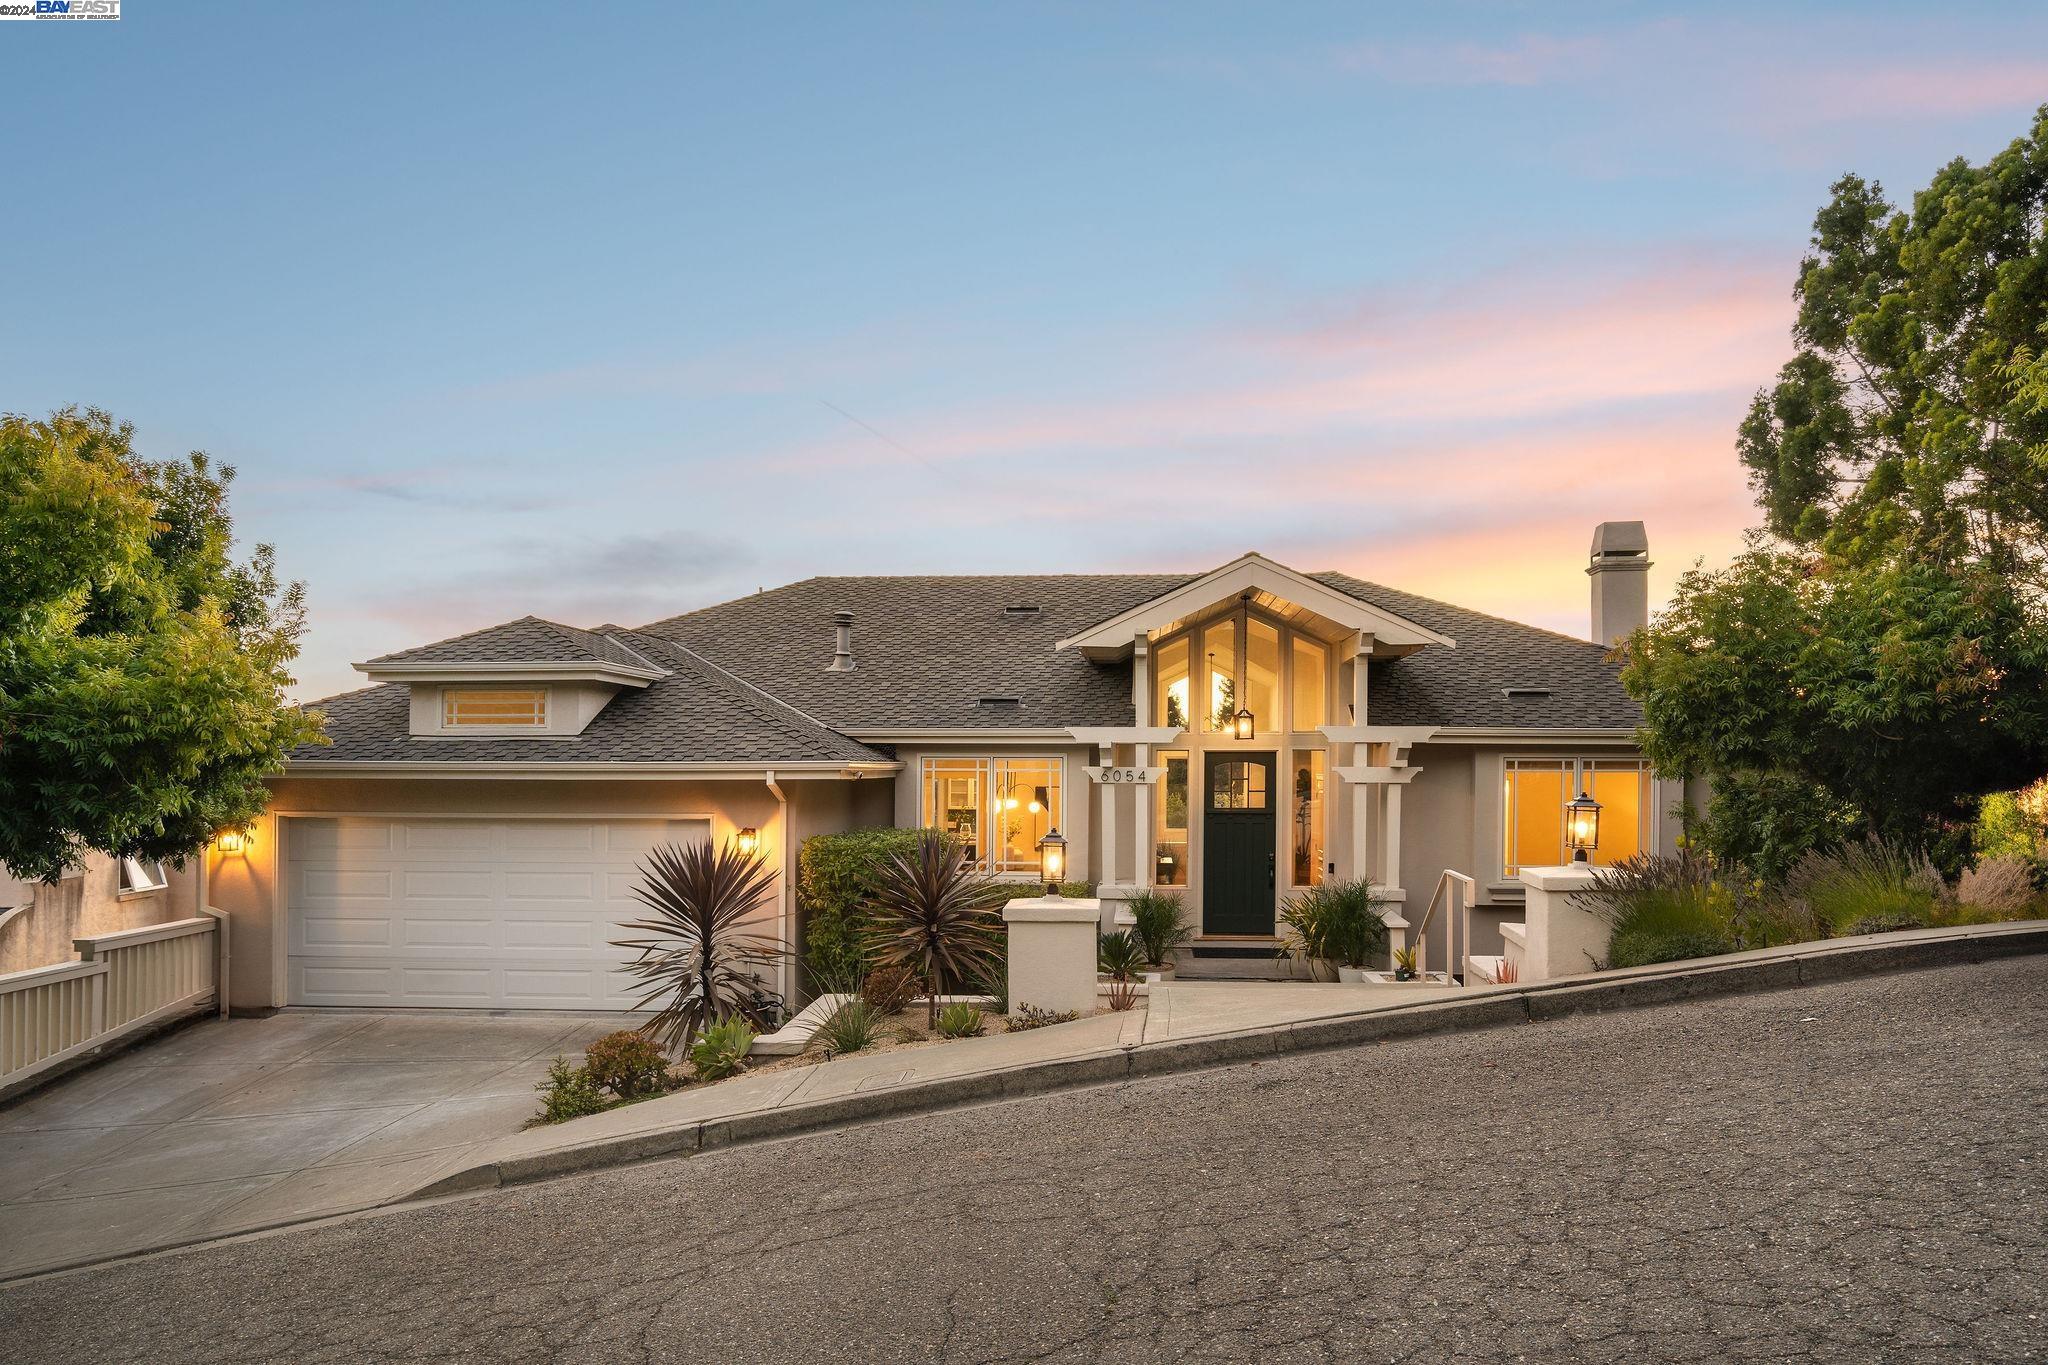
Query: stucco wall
[[86, 903], [246, 885]]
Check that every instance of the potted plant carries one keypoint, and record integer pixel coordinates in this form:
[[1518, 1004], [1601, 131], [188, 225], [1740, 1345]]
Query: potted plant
[[1308, 919], [1159, 928], [1357, 930], [1404, 963]]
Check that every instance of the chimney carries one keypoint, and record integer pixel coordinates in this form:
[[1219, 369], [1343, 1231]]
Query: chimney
[[1620, 570], [842, 657]]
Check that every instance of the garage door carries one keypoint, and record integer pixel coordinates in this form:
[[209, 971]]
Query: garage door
[[514, 914]]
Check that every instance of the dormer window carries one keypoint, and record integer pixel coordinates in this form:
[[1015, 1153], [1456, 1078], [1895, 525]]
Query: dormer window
[[494, 708]]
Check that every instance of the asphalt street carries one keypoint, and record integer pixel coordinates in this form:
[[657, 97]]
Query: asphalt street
[[1850, 1172]]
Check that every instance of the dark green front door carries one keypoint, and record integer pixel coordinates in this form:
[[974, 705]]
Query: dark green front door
[[1238, 838]]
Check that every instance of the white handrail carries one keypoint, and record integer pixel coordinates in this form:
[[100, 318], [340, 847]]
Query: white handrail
[[1466, 889]]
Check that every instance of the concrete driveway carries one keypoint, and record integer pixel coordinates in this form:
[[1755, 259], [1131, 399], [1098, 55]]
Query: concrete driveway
[[244, 1123]]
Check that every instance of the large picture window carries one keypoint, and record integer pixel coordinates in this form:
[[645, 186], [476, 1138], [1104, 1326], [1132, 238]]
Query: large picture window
[[999, 808], [1305, 809], [1533, 796]]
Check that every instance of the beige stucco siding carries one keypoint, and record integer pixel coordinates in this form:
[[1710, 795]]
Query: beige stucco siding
[[246, 886], [89, 902]]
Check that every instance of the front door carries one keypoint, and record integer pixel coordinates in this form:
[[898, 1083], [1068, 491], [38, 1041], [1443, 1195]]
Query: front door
[[1238, 838]]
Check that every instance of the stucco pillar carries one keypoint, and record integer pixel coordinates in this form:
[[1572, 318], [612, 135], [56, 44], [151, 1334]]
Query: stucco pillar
[[1105, 805], [1052, 952], [1562, 934], [1141, 754]]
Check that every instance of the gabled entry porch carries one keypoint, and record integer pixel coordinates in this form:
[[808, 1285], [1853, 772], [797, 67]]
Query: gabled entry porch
[[1250, 771]]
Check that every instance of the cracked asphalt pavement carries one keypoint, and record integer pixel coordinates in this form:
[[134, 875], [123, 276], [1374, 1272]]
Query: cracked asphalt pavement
[[1850, 1172]]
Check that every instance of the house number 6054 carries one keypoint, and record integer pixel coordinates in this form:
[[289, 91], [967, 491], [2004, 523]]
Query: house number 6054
[[1123, 776]]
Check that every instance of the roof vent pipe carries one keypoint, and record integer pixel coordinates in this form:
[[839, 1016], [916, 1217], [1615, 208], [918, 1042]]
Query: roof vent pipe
[[842, 656]]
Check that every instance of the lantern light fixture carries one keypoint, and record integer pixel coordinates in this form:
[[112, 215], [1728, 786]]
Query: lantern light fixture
[[233, 841], [1052, 861], [749, 841], [1582, 825], [1242, 723]]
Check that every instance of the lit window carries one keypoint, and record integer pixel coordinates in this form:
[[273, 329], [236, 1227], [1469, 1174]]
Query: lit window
[[500, 709], [1170, 856], [1219, 688], [142, 874], [1261, 673], [1311, 684], [1172, 704], [1533, 796], [1307, 814], [998, 808]]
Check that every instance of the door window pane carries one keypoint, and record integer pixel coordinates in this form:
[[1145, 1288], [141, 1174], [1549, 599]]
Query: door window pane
[[1262, 674], [1311, 685], [1237, 785], [1219, 688], [1306, 812], [1170, 866], [1171, 705]]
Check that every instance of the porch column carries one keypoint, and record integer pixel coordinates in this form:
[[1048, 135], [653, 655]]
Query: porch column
[[1142, 861], [1359, 755], [1105, 823]]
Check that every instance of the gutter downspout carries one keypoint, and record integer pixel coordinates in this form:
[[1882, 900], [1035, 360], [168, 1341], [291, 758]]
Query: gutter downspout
[[785, 894]]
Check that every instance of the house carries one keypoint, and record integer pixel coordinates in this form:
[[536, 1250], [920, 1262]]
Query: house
[[472, 834]]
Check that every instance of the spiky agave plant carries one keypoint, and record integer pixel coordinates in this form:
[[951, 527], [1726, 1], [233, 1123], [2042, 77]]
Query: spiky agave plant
[[935, 916], [700, 956]]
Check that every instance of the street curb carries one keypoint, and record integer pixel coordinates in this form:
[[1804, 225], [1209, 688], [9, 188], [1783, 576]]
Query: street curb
[[1489, 1007]]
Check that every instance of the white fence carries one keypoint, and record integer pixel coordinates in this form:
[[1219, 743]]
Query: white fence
[[121, 984]]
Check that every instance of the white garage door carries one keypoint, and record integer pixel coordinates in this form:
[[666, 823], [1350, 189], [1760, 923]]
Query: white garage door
[[514, 914]]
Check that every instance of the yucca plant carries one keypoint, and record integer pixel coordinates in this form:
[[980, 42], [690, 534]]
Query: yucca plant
[[1119, 956], [700, 957], [935, 916], [852, 1027], [1159, 926]]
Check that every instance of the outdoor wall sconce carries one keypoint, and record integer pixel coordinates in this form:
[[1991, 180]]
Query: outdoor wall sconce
[[232, 841], [1582, 821], [1243, 724], [1052, 861], [749, 841]]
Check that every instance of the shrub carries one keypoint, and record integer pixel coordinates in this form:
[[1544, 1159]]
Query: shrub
[[1663, 909], [889, 988], [1335, 921], [569, 1092], [2002, 885], [1640, 947], [1160, 926], [1305, 920], [627, 1063], [1767, 822], [1870, 882], [962, 1020], [836, 877], [1031, 1016], [935, 917], [1122, 994], [995, 984], [1119, 956], [722, 1051], [703, 947], [850, 1028], [1077, 891]]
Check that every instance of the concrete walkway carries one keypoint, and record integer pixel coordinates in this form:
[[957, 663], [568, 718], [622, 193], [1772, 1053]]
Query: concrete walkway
[[237, 1124]]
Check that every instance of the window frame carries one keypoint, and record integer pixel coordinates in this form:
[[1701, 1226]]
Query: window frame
[[543, 724], [140, 877], [984, 861], [1578, 767]]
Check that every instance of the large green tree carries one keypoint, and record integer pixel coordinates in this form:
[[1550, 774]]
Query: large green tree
[[142, 669], [1883, 645]]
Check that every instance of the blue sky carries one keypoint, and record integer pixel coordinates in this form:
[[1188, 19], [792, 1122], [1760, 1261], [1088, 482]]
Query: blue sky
[[606, 312]]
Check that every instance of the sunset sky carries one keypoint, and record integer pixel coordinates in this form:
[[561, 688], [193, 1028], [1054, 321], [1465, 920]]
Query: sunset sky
[[605, 312]]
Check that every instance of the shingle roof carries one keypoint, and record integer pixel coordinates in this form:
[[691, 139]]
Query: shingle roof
[[927, 648], [699, 713], [748, 680], [1466, 687], [526, 640]]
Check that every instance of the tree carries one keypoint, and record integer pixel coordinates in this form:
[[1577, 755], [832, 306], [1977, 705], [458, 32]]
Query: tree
[[1879, 656], [703, 952], [142, 670]]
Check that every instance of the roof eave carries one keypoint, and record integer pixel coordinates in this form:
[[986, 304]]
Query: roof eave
[[505, 670]]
